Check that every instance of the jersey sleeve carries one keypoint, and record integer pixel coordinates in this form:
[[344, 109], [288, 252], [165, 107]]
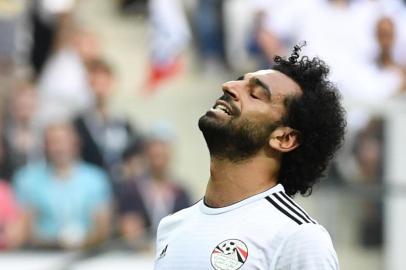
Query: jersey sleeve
[[308, 248]]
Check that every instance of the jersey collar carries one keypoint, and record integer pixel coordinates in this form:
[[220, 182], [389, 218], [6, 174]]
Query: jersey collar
[[215, 211]]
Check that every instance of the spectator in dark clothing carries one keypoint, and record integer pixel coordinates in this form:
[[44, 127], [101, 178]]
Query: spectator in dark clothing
[[369, 153], [104, 137], [210, 33], [6, 168], [143, 200]]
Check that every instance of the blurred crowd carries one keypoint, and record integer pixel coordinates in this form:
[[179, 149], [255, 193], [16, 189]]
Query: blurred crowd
[[74, 175]]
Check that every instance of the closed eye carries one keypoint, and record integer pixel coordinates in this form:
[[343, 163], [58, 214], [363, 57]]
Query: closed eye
[[241, 78], [258, 84]]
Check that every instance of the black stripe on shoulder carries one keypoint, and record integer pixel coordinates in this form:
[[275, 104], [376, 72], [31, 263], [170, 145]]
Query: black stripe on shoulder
[[277, 206], [283, 201], [294, 204]]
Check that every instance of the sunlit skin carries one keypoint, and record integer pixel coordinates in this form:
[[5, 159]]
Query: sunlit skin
[[259, 96]]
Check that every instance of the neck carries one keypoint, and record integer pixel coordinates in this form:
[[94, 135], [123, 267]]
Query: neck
[[101, 108], [385, 58], [232, 182], [159, 175], [22, 123], [63, 169]]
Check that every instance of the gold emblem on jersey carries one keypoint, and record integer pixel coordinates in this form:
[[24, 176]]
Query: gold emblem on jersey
[[230, 254]]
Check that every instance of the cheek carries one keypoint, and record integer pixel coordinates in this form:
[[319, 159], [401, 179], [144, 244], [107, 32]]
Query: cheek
[[253, 120], [277, 111], [264, 114], [255, 106], [278, 114]]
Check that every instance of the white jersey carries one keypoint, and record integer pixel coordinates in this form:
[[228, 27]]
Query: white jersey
[[268, 231]]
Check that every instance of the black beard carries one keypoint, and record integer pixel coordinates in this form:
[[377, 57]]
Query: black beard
[[237, 139]]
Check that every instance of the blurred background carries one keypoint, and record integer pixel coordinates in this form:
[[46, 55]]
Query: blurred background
[[99, 105]]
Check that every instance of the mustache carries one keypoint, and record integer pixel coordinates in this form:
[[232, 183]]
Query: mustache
[[228, 98]]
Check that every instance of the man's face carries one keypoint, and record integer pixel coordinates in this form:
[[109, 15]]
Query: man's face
[[385, 32], [61, 145], [242, 120], [101, 83], [158, 154], [24, 104]]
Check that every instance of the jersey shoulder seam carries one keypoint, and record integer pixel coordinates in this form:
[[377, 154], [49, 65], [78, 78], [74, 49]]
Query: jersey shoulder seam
[[289, 208]]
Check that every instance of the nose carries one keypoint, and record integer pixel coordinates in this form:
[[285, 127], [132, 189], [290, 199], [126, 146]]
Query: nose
[[232, 89]]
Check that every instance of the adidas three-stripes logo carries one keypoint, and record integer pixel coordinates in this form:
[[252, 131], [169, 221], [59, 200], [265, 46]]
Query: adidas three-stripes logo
[[287, 206]]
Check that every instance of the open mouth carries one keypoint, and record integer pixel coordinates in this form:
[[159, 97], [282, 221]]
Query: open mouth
[[222, 107]]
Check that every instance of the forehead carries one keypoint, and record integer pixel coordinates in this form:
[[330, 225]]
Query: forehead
[[277, 82]]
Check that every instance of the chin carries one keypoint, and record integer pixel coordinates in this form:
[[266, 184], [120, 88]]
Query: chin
[[203, 121], [211, 121]]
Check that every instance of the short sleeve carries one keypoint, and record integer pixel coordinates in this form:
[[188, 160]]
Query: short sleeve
[[100, 188], [24, 189], [309, 248]]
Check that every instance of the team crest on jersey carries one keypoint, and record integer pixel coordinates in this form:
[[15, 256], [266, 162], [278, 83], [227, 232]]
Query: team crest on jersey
[[230, 254]]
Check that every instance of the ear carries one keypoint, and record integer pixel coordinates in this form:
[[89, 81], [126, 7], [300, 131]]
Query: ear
[[284, 139]]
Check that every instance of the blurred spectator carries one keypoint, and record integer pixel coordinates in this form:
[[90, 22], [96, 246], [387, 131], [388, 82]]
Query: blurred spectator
[[330, 28], [12, 231], [369, 152], [144, 201], [262, 44], [132, 216], [6, 167], [64, 83], [133, 6], [66, 202], [210, 34], [50, 20], [169, 36], [133, 162], [11, 223], [385, 35], [269, 39], [276, 25], [386, 78], [20, 128], [10, 12], [104, 137]]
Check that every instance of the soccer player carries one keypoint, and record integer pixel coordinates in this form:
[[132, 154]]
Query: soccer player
[[270, 136]]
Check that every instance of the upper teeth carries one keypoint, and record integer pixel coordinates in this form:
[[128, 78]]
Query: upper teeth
[[222, 107]]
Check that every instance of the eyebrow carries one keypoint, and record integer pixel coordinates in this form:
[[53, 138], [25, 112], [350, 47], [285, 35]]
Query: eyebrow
[[256, 81], [263, 85]]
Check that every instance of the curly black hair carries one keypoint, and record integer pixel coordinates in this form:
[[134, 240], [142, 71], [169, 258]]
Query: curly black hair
[[318, 116]]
